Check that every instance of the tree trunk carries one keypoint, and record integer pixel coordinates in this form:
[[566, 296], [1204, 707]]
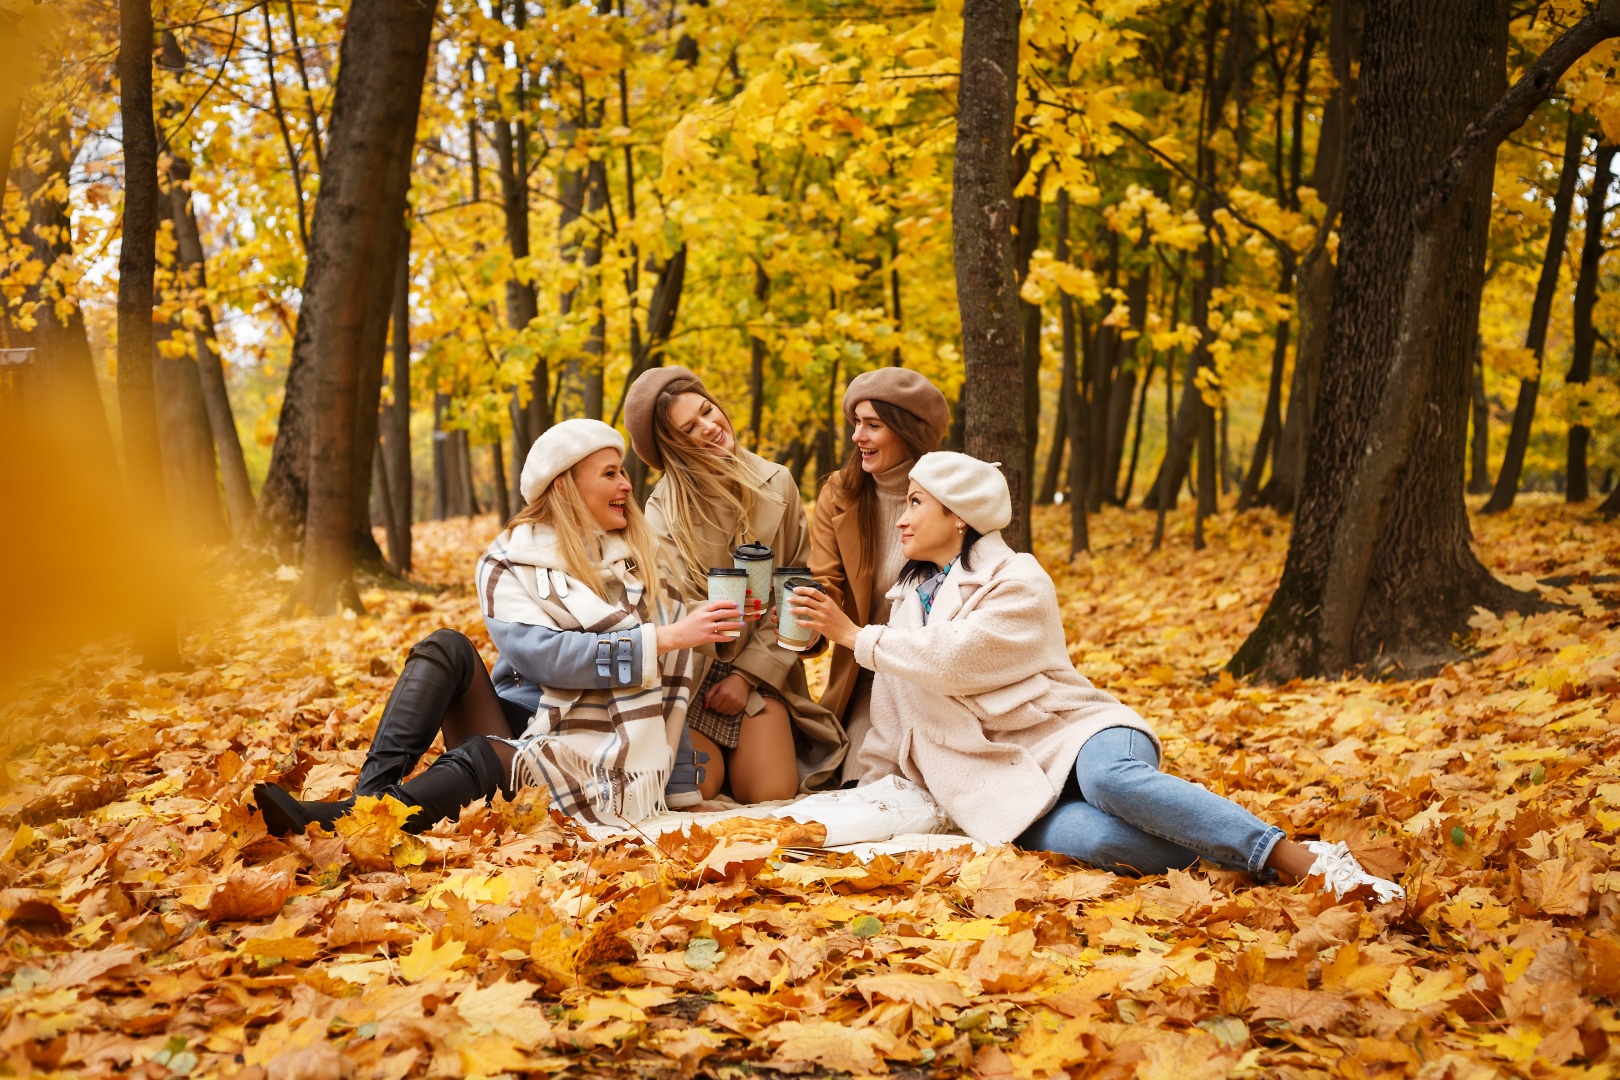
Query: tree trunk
[[1136, 442], [1586, 285], [531, 418], [442, 458], [1052, 475], [596, 344], [982, 217], [1271, 419], [1313, 286], [1535, 338], [192, 271], [1029, 238], [355, 238], [503, 505], [756, 358], [1072, 406], [1379, 561], [396, 419], [1479, 447], [60, 343], [137, 263]]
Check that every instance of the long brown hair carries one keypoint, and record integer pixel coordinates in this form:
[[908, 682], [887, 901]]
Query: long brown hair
[[702, 487], [579, 537], [852, 480]]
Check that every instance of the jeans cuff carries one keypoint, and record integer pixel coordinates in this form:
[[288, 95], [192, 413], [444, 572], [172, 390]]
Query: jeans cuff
[[1262, 851]]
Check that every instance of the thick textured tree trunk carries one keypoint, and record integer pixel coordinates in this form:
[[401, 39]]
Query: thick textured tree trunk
[[60, 343], [1379, 562], [396, 419], [1535, 338], [355, 237], [983, 212], [1586, 285]]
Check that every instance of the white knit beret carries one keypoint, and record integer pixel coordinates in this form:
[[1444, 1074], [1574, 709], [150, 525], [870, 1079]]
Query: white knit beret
[[973, 490], [562, 447]]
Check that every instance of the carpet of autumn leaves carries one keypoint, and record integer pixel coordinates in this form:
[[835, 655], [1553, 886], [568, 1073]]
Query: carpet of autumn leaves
[[152, 929]]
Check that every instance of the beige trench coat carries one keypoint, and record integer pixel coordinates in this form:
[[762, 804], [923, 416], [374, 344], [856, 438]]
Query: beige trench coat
[[779, 521], [838, 561], [981, 705]]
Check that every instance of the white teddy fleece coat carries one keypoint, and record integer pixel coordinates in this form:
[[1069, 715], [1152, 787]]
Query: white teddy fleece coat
[[981, 705]]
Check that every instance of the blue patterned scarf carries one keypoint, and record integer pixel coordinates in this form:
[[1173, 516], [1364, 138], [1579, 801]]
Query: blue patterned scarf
[[926, 591]]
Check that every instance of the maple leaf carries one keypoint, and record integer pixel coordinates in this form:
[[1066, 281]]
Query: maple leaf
[[1008, 878], [829, 1045], [1304, 1010], [1003, 965], [252, 893], [1427, 994], [424, 960], [1560, 887], [924, 991], [374, 838], [1040, 1053]]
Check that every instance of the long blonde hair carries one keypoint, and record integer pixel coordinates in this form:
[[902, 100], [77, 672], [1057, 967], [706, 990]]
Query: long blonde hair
[[579, 538], [703, 488]]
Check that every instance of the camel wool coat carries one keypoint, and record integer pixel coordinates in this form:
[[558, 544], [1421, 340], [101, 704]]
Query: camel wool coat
[[981, 705], [778, 521], [838, 562]]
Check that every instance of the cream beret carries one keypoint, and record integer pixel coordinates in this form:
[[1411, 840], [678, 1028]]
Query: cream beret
[[640, 407], [562, 447], [973, 490], [904, 389]]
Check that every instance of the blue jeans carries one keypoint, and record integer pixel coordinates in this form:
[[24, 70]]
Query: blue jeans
[[1120, 813]]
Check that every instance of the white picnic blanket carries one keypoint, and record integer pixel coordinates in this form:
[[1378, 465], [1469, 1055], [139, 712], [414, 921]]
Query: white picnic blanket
[[889, 817]]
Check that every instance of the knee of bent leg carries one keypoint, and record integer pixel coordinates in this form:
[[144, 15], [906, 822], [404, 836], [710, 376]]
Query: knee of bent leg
[[451, 650], [1105, 784]]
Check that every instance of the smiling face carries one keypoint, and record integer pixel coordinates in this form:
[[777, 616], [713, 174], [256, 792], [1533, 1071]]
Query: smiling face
[[880, 446], [702, 421], [929, 532], [604, 487]]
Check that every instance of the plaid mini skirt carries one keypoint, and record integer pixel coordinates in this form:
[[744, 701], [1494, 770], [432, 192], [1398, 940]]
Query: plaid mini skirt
[[723, 729]]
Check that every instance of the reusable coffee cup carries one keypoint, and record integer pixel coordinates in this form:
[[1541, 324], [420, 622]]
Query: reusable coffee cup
[[789, 634], [756, 559], [729, 583]]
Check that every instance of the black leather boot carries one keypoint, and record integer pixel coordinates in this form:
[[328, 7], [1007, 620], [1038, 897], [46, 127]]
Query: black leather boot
[[437, 671], [467, 772], [287, 816]]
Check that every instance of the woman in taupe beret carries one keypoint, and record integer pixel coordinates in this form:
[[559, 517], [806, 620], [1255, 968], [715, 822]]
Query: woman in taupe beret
[[752, 715], [898, 416]]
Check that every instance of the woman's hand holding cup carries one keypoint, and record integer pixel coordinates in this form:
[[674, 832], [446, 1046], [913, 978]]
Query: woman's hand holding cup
[[820, 613], [712, 621]]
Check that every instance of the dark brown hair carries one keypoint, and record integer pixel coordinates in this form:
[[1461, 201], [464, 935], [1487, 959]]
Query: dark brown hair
[[853, 480]]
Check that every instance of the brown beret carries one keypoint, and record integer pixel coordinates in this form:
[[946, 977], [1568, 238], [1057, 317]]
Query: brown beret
[[904, 389], [640, 404]]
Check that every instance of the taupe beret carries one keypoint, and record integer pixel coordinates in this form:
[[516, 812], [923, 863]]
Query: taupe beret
[[640, 404], [904, 389]]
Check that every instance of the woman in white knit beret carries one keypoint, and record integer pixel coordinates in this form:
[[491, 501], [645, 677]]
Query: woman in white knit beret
[[591, 632], [975, 698]]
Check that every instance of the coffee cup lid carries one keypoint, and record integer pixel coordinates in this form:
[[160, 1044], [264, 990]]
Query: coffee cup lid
[[801, 571], [726, 571], [803, 583], [753, 552]]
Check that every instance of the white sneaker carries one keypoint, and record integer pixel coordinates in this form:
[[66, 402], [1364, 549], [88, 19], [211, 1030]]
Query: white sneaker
[[1340, 872]]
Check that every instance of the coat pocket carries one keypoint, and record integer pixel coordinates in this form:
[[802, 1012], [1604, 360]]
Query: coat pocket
[[1007, 699]]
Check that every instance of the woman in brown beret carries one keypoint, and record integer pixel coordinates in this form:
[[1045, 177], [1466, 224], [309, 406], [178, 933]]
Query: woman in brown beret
[[898, 416], [752, 715]]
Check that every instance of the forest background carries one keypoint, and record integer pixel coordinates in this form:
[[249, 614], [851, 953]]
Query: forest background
[[763, 192]]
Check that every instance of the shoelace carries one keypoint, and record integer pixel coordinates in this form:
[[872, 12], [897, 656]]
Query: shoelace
[[1342, 873]]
